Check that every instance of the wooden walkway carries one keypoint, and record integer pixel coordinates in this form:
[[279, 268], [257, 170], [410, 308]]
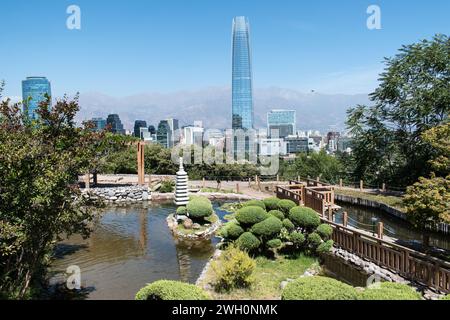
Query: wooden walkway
[[408, 263]]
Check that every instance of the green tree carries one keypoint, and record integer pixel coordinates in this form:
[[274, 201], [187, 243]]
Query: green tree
[[39, 198], [413, 96]]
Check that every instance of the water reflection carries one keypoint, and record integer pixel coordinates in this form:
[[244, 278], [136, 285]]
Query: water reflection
[[129, 247]]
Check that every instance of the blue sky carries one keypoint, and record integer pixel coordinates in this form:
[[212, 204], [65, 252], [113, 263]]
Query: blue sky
[[129, 47]]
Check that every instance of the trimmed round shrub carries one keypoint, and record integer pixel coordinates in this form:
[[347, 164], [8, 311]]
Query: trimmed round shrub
[[254, 203], [325, 231], [248, 242], [297, 238], [199, 208], [232, 231], [314, 239], [325, 247], [248, 216], [318, 288], [267, 228], [288, 225], [286, 205], [390, 291], [271, 203], [274, 243], [181, 211], [277, 213], [304, 217], [171, 290]]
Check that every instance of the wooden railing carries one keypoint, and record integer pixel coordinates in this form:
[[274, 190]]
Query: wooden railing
[[408, 263]]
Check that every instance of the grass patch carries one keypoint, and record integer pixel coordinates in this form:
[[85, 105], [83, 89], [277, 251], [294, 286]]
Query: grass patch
[[392, 201], [268, 275], [214, 190]]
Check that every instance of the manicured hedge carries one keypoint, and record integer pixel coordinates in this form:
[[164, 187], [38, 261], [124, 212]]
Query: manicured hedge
[[288, 225], [325, 247], [199, 207], [171, 290], [325, 231], [231, 231], [447, 297], [248, 216], [267, 228], [318, 288], [390, 291], [252, 203], [181, 211], [297, 238], [277, 213], [271, 203], [314, 239], [286, 205], [304, 217], [274, 243], [247, 241]]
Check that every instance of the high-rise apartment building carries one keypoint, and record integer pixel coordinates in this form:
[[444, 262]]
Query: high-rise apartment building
[[283, 121]]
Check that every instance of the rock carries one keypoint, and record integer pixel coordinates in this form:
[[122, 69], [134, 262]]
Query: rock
[[145, 196], [181, 217], [113, 198], [111, 193], [188, 224], [196, 226]]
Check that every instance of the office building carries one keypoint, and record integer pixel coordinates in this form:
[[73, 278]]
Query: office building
[[242, 96], [116, 126], [99, 124], [138, 124], [34, 91], [193, 135], [163, 134], [282, 121]]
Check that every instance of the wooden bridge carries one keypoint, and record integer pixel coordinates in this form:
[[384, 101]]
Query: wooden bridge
[[408, 263]]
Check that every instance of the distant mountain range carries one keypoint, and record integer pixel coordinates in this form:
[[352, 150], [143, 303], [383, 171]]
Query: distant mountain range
[[315, 111]]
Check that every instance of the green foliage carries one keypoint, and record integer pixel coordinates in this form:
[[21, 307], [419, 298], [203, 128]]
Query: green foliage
[[286, 205], [318, 288], [315, 164], [325, 247], [297, 238], [271, 203], [233, 269], [277, 213], [231, 231], [325, 231], [248, 216], [171, 290], [288, 225], [447, 297], [304, 217], [274, 243], [181, 211], [167, 186], [314, 239], [413, 96], [267, 228], [248, 242], [390, 291], [39, 200], [254, 203], [199, 208]]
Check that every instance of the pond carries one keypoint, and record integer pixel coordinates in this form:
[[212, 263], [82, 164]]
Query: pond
[[129, 247]]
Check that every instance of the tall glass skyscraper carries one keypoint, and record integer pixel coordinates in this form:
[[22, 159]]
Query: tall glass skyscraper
[[242, 98], [34, 90], [283, 121]]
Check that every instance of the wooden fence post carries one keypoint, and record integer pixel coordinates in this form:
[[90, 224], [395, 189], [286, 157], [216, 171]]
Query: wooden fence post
[[259, 183], [361, 185], [345, 219], [380, 231], [383, 187], [318, 179], [237, 187], [203, 183], [298, 179], [249, 182], [278, 178], [330, 214], [140, 163], [340, 183], [87, 180]]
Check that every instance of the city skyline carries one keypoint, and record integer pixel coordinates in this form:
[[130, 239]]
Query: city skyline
[[309, 55]]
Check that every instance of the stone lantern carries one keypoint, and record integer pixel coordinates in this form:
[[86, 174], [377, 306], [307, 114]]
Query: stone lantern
[[181, 188]]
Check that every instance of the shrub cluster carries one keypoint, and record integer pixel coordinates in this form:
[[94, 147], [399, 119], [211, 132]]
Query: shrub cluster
[[271, 203], [289, 227], [390, 291], [181, 211], [171, 290], [199, 208]]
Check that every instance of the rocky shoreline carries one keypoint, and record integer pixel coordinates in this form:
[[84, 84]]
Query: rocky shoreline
[[172, 223]]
